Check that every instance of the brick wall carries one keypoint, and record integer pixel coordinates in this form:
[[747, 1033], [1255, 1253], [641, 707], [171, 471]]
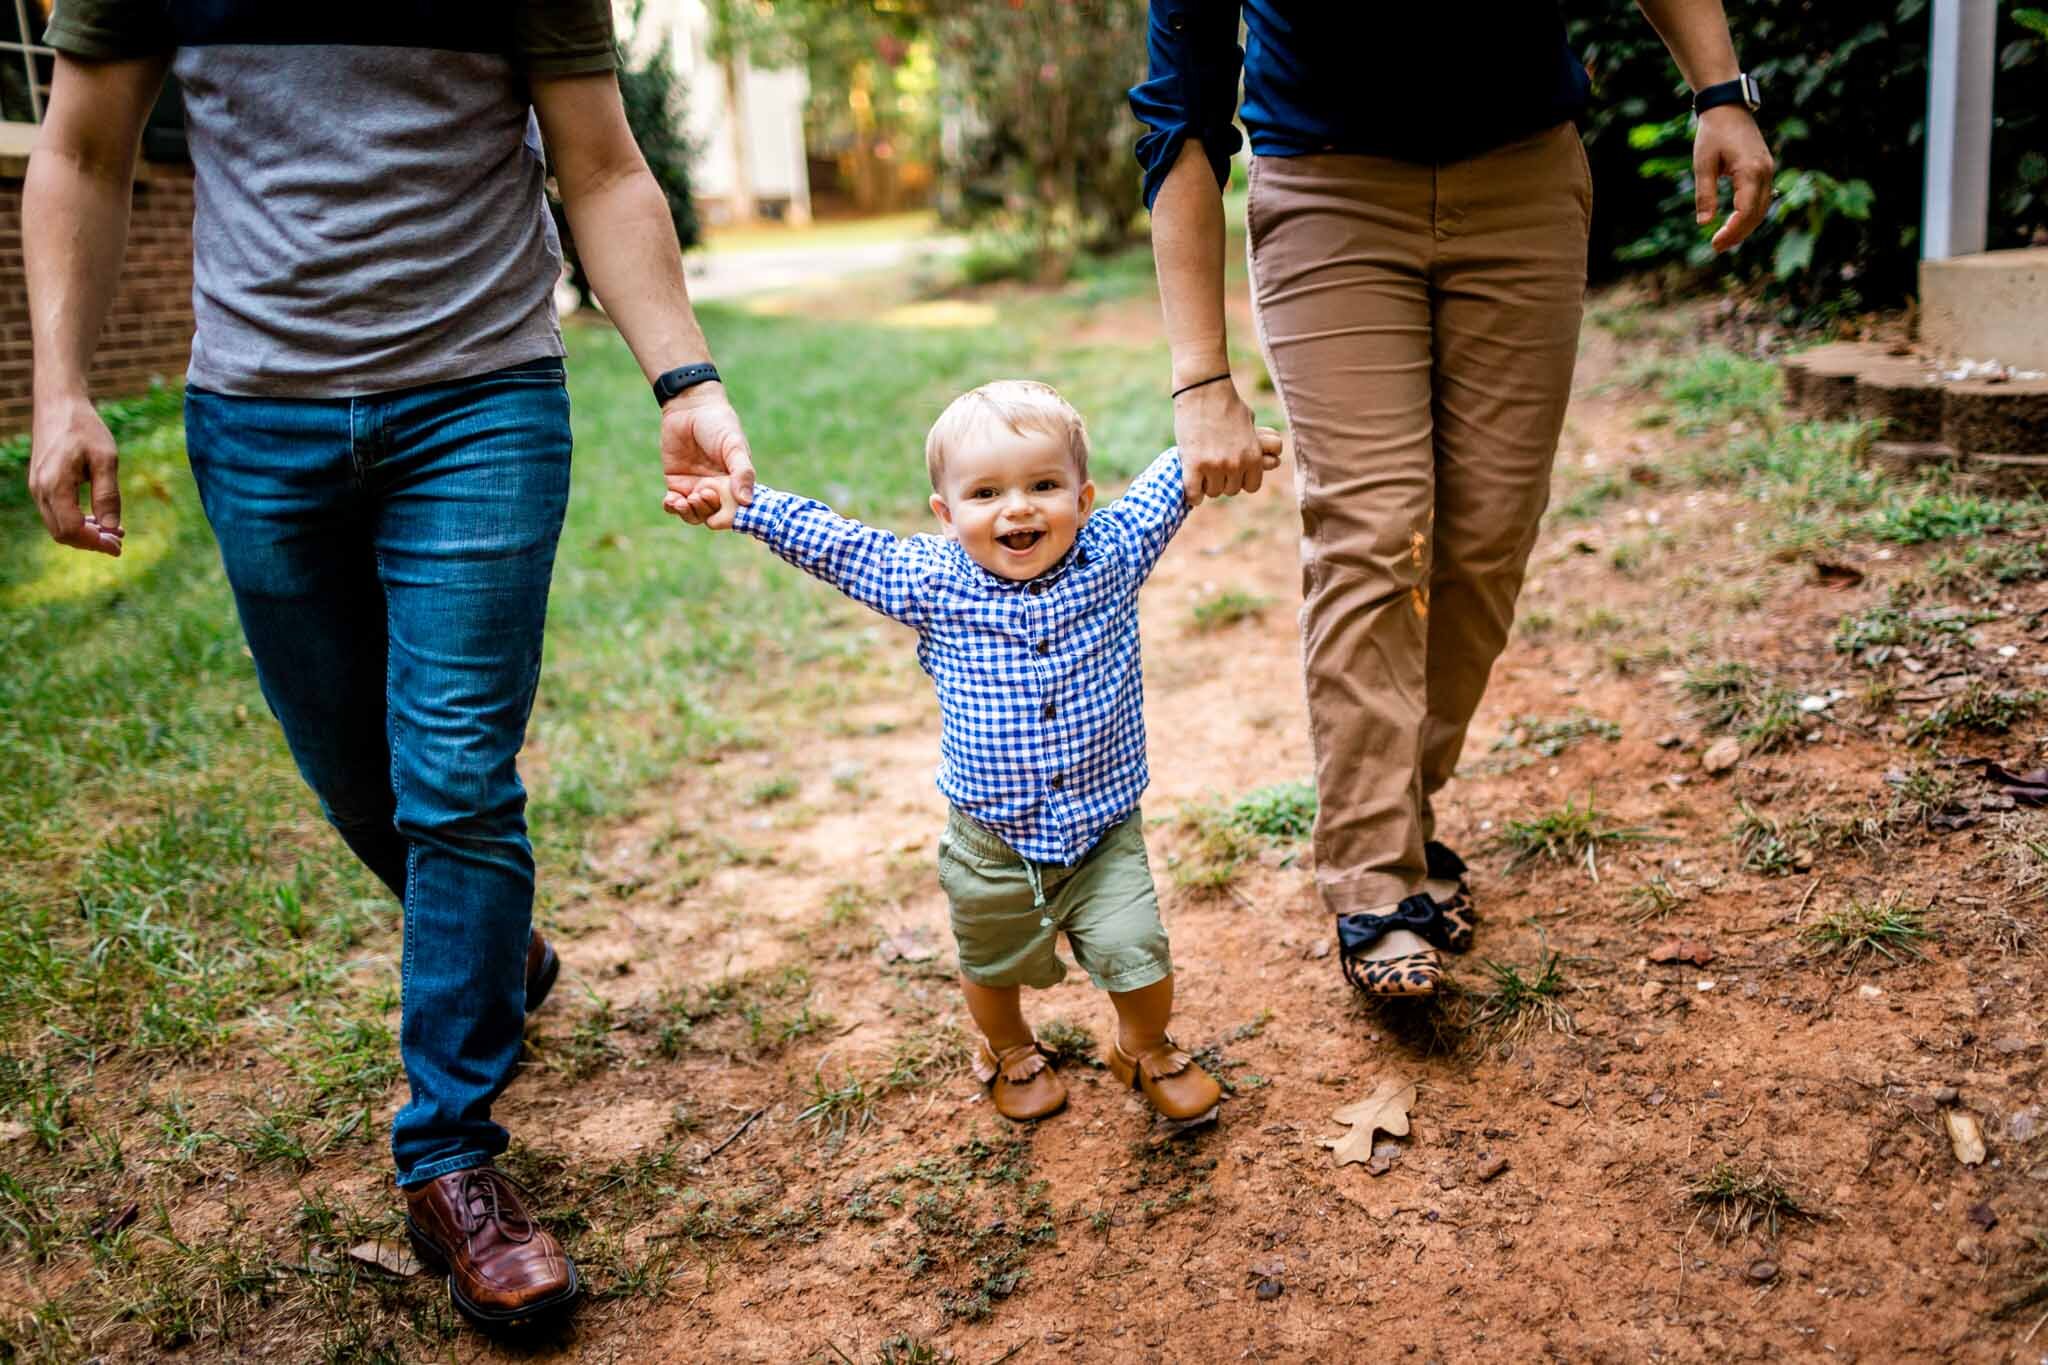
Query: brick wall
[[149, 332]]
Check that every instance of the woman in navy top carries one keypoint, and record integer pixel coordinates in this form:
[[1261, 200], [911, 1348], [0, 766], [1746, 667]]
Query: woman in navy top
[[1417, 227]]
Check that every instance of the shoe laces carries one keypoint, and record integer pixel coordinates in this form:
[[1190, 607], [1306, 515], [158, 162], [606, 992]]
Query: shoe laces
[[490, 1197]]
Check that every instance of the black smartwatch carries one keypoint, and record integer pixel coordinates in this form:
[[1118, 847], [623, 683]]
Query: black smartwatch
[[1742, 90], [672, 382]]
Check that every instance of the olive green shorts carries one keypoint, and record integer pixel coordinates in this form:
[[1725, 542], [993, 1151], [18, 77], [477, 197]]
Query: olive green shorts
[[1105, 904]]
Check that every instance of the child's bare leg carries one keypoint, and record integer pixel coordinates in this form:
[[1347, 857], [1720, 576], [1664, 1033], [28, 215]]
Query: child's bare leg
[[997, 1015], [1142, 1015]]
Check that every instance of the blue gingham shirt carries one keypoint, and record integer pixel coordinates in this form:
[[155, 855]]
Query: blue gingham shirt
[[1040, 691]]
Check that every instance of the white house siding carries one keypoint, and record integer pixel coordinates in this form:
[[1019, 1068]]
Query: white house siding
[[771, 119]]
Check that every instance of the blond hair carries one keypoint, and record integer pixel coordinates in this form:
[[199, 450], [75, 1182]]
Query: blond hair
[[1022, 405]]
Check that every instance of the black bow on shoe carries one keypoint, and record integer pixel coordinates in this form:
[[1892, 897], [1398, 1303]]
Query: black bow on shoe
[[1418, 914]]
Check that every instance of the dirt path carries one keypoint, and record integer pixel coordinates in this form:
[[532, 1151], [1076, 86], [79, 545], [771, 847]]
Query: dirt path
[[807, 1160]]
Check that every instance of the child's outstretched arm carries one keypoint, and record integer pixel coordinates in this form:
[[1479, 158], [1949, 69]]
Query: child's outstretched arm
[[1152, 509], [879, 570]]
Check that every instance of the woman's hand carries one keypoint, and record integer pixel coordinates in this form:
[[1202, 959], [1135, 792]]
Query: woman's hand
[[1729, 145], [1220, 452]]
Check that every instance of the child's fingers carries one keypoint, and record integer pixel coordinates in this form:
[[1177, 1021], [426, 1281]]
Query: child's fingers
[[728, 507], [1270, 441]]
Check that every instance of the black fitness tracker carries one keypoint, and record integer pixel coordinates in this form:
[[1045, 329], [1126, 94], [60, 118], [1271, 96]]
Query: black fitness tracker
[[672, 382], [1742, 90]]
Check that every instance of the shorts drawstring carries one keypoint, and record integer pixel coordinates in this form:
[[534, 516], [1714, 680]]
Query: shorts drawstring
[[1037, 892]]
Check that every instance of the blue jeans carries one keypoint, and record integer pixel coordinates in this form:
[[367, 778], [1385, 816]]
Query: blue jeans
[[390, 558]]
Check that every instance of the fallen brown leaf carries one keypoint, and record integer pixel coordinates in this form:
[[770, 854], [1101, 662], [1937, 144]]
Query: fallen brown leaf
[[1384, 1110], [393, 1258], [1682, 950]]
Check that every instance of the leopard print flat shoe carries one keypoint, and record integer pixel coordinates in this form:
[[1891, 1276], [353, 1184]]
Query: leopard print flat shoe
[[1416, 971], [1448, 886]]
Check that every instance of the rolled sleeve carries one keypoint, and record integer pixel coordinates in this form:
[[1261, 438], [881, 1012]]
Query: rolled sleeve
[[564, 37], [1191, 87], [110, 30]]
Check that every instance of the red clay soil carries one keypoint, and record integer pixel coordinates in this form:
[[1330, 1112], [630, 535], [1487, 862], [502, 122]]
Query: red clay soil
[[920, 1214]]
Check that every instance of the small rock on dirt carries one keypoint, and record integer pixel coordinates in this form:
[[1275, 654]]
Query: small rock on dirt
[[1563, 1099], [1721, 755], [1670, 741], [11, 1131], [1271, 1289], [1947, 1094], [1964, 1136], [2025, 1125], [908, 944], [1763, 1272], [1983, 1216], [1491, 1166], [1319, 950], [1970, 1249]]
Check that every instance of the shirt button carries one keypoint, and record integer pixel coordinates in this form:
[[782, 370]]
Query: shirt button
[[1045, 646], [1036, 589], [1057, 782], [1046, 714], [1177, 22]]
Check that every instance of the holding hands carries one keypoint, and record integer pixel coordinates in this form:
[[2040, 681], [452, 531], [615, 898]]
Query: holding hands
[[1221, 452], [705, 460]]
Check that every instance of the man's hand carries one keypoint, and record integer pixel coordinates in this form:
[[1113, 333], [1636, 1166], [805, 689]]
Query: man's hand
[[69, 446], [1220, 454], [1728, 144], [703, 447]]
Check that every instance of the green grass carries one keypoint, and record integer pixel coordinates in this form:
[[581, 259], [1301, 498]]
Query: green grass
[[1283, 811], [1551, 737], [1708, 388], [1940, 514], [1228, 837], [1861, 930], [1571, 833], [1517, 998], [1979, 709], [1740, 1199], [1228, 608]]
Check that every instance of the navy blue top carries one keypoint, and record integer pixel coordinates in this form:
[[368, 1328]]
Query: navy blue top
[[1421, 80]]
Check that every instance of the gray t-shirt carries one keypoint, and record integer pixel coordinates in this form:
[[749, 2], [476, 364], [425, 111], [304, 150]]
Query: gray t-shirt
[[369, 212]]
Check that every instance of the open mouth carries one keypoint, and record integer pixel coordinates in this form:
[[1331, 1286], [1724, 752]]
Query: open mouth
[[1020, 541]]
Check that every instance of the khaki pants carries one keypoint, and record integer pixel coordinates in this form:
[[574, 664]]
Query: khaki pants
[[1421, 323]]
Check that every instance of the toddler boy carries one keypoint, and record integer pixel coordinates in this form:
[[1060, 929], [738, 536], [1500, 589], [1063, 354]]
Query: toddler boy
[[1026, 611]]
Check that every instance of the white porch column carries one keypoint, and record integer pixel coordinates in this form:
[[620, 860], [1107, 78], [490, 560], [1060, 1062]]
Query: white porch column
[[1960, 62]]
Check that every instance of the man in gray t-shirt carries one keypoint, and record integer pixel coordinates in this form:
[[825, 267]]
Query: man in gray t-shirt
[[378, 426]]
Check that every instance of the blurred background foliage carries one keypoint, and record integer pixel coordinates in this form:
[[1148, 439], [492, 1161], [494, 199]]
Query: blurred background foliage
[[1015, 110]]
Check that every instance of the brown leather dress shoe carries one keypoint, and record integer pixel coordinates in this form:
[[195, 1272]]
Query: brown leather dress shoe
[[1168, 1078], [1021, 1081], [542, 967], [502, 1266]]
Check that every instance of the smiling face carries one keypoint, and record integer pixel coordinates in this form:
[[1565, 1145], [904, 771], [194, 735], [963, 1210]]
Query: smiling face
[[1013, 499]]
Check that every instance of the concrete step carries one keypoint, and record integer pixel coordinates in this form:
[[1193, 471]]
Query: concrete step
[[1928, 418]]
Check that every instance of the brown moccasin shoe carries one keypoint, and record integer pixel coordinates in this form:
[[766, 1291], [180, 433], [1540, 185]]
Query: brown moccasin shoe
[[502, 1266], [1168, 1078], [1021, 1081]]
